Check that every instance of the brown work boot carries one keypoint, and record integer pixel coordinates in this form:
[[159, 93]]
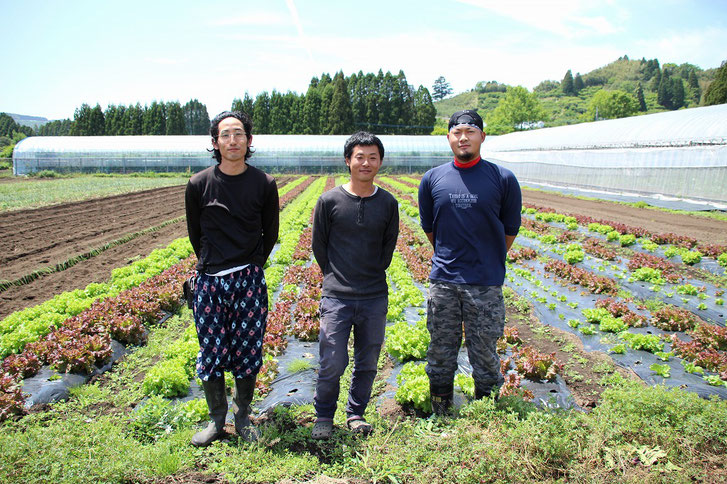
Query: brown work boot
[[216, 395]]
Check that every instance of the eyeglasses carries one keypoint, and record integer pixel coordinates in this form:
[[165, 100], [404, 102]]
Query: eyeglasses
[[227, 136]]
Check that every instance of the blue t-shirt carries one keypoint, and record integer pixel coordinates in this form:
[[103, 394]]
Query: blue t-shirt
[[469, 211]]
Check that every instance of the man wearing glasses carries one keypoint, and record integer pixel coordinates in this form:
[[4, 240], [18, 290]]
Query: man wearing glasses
[[232, 220]]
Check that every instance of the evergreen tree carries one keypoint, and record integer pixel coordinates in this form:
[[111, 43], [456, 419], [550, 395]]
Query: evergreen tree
[[8, 125], [695, 91], [97, 122], [279, 114], [58, 127], [261, 115], [247, 105], [567, 84], [385, 92], [133, 120], [372, 111], [578, 83], [441, 88], [175, 122], [111, 115], [664, 91], [82, 121], [655, 81], [296, 112], [677, 93], [425, 112], [326, 99], [196, 118], [236, 105], [716, 92], [403, 111], [154, 120], [357, 87], [640, 98], [340, 115], [312, 111]]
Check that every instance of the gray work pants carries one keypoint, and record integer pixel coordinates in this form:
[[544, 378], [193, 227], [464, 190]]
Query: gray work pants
[[368, 319]]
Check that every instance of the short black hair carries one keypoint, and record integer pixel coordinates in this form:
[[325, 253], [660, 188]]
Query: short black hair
[[214, 130], [362, 138]]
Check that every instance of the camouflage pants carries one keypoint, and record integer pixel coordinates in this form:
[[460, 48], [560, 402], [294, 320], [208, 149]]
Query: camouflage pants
[[482, 310]]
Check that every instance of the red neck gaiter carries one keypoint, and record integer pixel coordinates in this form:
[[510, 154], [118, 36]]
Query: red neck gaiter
[[469, 164]]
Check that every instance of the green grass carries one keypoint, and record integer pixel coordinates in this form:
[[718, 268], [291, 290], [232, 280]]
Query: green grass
[[34, 193], [108, 432]]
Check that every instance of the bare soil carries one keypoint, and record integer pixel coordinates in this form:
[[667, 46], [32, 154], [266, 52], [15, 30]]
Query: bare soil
[[39, 238]]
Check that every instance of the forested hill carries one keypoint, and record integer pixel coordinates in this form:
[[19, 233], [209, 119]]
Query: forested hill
[[622, 88]]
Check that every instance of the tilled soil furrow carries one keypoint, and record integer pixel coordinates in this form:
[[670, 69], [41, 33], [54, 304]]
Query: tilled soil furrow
[[95, 269]]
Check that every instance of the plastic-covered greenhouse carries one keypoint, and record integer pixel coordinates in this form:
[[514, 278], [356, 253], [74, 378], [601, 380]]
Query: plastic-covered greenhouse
[[273, 153], [681, 154]]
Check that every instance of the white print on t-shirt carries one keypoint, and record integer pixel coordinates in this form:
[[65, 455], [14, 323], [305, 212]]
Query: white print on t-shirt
[[463, 200]]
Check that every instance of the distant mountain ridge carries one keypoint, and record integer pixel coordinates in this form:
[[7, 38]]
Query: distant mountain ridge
[[32, 121]]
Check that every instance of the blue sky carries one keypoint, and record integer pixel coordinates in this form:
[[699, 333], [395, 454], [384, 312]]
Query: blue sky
[[60, 54]]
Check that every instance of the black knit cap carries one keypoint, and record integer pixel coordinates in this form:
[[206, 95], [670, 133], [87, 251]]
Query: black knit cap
[[468, 117]]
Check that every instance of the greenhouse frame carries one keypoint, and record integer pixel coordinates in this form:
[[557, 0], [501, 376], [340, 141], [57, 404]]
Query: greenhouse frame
[[681, 154]]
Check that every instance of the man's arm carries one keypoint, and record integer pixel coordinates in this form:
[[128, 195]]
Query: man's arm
[[270, 219], [390, 235], [509, 239], [319, 241], [426, 213], [192, 207]]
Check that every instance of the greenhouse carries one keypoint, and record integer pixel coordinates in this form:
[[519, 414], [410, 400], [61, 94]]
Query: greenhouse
[[273, 153], [680, 154]]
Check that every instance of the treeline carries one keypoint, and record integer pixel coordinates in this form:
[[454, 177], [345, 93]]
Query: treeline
[[159, 118], [381, 103]]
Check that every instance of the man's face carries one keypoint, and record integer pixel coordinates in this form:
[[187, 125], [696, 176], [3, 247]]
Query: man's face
[[364, 163], [465, 142], [231, 140]]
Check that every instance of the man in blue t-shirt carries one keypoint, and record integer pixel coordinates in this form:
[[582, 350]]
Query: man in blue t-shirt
[[470, 211]]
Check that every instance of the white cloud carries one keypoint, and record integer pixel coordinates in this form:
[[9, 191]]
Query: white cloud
[[565, 18]]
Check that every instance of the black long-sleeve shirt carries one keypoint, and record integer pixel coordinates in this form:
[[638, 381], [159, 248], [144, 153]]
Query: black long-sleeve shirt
[[353, 242], [231, 220]]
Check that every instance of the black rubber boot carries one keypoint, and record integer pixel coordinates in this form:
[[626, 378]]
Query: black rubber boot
[[244, 391], [216, 395], [485, 392], [441, 397]]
